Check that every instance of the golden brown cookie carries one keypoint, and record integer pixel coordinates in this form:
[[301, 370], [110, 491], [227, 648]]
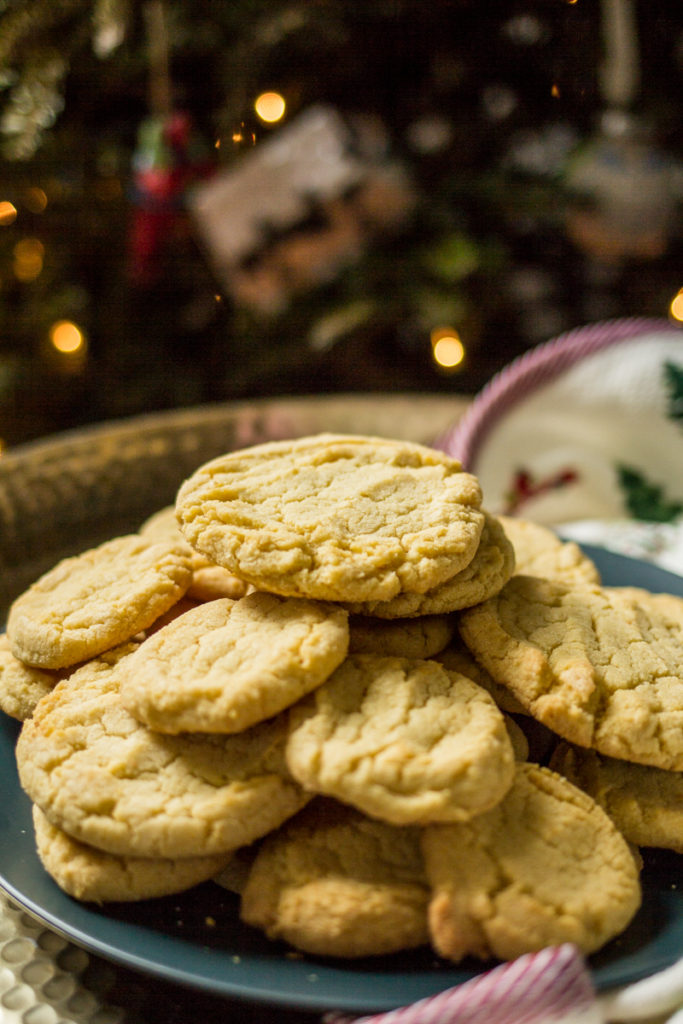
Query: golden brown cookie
[[645, 803], [21, 686], [334, 517], [599, 667], [457, 658], [94, 601], [491, 567], [544, 867], [403, 740], [539, 551], [91, 875], [422, 637], [226, 665], [209, 581], [107, 780], [333, 883]]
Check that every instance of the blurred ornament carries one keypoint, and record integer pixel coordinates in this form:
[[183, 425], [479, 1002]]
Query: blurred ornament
[[303, 205], [624, 193], [625, 189], [169, 158]]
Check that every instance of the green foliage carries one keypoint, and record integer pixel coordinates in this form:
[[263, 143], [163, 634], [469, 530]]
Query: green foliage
[[646, 500], [674, 382]]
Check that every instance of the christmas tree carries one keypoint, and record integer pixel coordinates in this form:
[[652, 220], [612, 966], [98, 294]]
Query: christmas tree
[[424, 198]]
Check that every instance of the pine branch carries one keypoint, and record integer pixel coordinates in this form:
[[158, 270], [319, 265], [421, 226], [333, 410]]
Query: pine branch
[[646, 500], [25, 24], [674, 382]]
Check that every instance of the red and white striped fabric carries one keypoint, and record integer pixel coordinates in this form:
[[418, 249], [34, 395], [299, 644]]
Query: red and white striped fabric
[[549, 987]]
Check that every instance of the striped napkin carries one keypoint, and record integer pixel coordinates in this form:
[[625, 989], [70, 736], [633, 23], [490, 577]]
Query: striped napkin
[[538, 988], [552, 986]]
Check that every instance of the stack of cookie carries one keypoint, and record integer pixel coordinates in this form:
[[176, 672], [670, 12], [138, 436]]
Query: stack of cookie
[[330, 678]]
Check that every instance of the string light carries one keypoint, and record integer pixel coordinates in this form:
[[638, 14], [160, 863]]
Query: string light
[[29, 254], [66, 337], [8, 212], [448, 350], [35, 199], [676, 306], [270, 107]]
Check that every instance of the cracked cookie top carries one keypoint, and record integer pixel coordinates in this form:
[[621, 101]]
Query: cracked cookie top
[[334, 517]]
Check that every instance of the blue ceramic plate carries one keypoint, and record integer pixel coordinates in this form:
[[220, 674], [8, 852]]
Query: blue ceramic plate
[[169, 938]]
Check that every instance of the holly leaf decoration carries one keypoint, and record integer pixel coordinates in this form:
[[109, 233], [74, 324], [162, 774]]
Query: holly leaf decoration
[[674, 382], [646, 500]]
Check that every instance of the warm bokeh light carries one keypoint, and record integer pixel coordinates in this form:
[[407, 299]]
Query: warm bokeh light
[[8, 212], [35, 199], [676, 306], [447, 348], [67, 337], [270, 106], [29, 254]]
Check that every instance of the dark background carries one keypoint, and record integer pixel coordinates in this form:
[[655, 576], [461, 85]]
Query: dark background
[[486, 107]]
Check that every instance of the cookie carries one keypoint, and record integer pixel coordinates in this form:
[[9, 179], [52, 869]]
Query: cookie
[[645, 803], [226, 665], [539, 551], [332, 882], [457, 658], [334, 517], [599, 667], [94, 601], [422, 637], [107, 780], [21, 686], [209, 581], [539, 740], [544, 867], [402, 740], [161, 524], [185, 604], [90, 875], [491, 567], [518, 739]]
